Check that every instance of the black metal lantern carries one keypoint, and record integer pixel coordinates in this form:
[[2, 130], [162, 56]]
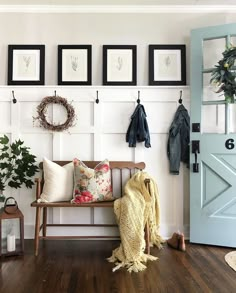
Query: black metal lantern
[[11, 229]]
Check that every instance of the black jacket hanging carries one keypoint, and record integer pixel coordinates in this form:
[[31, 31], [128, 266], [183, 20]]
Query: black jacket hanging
[[178, 141], [138, 129]]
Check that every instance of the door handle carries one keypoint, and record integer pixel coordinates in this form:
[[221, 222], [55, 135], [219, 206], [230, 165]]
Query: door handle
[[195, 151], [195, 164], [195, 146]]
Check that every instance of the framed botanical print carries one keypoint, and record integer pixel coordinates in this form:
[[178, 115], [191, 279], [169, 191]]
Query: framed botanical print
[[26, 64], [167, 65], [119, 65], [74, 64]]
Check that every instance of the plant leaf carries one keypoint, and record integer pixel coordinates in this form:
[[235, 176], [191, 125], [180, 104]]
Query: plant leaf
[[4, 140]]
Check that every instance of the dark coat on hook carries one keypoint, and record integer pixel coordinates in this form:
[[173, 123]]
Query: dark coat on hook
[[178, 141], [138, 129]]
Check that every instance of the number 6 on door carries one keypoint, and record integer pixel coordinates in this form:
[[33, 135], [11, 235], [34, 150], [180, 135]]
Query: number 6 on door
[[229, 144]]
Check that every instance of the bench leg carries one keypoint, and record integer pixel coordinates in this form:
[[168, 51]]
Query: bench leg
[[37, 230], [44, 221], [147, 238]]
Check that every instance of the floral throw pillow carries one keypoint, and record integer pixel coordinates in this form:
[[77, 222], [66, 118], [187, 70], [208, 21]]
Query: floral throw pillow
[[92, 184]]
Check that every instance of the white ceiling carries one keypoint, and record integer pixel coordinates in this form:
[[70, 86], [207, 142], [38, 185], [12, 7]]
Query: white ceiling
[[117, 2]]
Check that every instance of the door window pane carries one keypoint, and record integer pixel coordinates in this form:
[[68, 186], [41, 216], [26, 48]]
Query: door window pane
[[233, 40], [210, 91], [212, 52], [213, 119], [232, 118]]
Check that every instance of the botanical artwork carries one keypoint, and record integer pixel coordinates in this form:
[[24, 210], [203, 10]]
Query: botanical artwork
[[74, 64], [119, 65], [26, 65], [167, 65], [27, 60]]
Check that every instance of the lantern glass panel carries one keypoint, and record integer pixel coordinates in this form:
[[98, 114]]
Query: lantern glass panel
[[11, 241]]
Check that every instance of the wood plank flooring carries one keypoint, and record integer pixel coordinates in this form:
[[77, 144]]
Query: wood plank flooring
[[70, 266]]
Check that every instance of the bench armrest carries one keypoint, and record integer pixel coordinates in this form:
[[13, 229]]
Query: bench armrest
[[38, 182]]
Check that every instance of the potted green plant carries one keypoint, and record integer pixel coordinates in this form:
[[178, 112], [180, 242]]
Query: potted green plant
[[17, 165]]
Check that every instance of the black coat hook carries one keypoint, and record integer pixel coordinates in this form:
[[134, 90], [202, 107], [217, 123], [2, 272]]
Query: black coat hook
[[138, 100], [180, 97], [14, 100], [97, 99]]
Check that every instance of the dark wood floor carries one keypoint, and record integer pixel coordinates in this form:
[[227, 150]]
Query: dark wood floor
[[81, 267]]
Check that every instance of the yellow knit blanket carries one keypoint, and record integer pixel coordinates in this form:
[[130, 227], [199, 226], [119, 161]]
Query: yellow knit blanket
[[133, 211]]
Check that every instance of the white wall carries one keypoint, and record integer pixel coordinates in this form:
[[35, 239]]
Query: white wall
[[100, 133], [98, 29], [100, 130]]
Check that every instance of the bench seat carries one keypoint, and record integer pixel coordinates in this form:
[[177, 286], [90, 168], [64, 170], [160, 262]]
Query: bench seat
[[68, 204], [121, 171]]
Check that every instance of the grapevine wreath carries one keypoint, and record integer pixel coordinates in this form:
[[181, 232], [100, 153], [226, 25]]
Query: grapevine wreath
[[224, 74], [42, 111]]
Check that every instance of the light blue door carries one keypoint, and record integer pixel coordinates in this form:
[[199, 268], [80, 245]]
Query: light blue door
[[213, 134]]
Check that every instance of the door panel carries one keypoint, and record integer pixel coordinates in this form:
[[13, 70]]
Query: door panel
[[213, 188]]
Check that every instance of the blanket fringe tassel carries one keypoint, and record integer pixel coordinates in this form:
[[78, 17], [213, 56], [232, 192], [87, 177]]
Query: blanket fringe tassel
[[135, 266]]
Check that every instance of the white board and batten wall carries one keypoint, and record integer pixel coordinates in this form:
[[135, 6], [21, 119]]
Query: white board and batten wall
[[100, 129], [99, 133]]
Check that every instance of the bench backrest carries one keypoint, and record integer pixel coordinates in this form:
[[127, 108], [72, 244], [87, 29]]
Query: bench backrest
[[121, 171]]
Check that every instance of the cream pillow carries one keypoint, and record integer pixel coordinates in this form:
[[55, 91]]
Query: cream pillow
[[58, 182]]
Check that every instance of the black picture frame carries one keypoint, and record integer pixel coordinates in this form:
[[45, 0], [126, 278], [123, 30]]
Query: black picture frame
[[167, 65], [119, 65], [26, 64], [69, 58]]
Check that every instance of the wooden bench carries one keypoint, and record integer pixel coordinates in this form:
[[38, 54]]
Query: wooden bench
[[120, 173]]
